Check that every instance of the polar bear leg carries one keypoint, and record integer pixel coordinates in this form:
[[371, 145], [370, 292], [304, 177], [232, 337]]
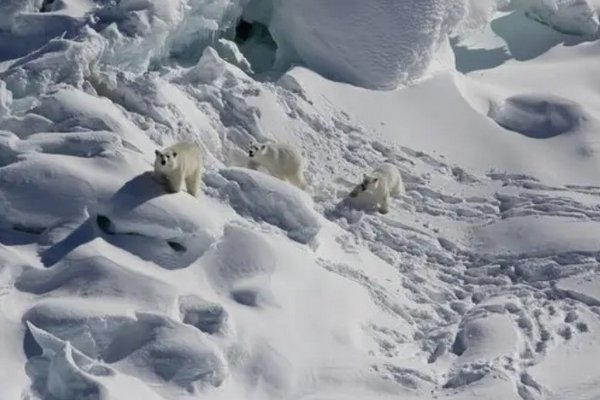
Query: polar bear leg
[[384, 206], [298, 180], [253, 165], [192, 183], [398, 189], [355, 191], [175, 181]]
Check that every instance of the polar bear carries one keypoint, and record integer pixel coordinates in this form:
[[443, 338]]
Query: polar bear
[[377, 187], [282, 160], [178, 163]]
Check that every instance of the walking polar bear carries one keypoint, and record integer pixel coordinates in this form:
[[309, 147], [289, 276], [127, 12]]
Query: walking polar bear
[[280, 160], [377, 187], [177, 164]]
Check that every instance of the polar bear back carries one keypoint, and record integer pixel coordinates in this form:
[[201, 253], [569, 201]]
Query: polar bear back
[[282, 158], [388, 173], [191, 156]]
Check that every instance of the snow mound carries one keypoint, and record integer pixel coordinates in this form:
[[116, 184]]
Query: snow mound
[[70, 109], [265, 198], [62, 371], [66, 188], [208, 317], [485, 337], [378, 44], [141, 210], [97, 269], [242, 263], [159, 349], [141, 35], [88, 324], [539, 116], [71, 60]]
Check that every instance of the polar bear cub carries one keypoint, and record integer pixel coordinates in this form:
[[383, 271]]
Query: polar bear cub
[[377, 187], [282, 160], [177, 164]]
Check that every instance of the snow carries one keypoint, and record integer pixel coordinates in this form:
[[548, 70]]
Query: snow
[[379, 44], [578, 17], [268, 199], [583, 288], [482, 281]]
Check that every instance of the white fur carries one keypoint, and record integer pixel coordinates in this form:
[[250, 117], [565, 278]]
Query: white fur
[[182, 164], [378, 186], [281, 160]]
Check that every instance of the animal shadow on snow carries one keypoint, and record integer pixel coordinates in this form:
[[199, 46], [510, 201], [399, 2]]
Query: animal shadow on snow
[[137, 191], [169, 254]]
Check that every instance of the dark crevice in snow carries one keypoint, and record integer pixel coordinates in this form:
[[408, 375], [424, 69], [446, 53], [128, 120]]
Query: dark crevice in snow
[[243, 30], [464, 378], [256, 44], [35, 230], [459, 346], [246, 297], [178, 247], [47, 6], [31, 348]]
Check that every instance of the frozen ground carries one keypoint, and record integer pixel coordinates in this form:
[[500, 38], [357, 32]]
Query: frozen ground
[[481, 283]]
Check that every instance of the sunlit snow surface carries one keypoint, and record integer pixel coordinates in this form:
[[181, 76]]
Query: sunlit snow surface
[[480, 283]]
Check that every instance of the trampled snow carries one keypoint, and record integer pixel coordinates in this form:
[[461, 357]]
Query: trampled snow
[[480, 283]]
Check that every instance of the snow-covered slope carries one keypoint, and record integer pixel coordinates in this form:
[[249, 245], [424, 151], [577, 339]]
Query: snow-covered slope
[[480, 283]]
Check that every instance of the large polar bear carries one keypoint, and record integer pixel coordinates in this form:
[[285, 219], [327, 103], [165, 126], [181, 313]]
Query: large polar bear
[[178, 163], [377, 187], [282, 160]]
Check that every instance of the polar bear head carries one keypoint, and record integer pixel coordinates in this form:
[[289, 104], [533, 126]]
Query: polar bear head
[[256, 150], [166, 160], [367, 183]]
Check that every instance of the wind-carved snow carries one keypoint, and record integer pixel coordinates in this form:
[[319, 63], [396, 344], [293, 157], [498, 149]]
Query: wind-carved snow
[[379, 44], [579, 17], [481, 281], [270, 200]]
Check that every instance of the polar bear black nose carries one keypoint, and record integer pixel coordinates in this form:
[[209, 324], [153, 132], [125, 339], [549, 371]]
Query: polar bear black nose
[[163, 162]]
